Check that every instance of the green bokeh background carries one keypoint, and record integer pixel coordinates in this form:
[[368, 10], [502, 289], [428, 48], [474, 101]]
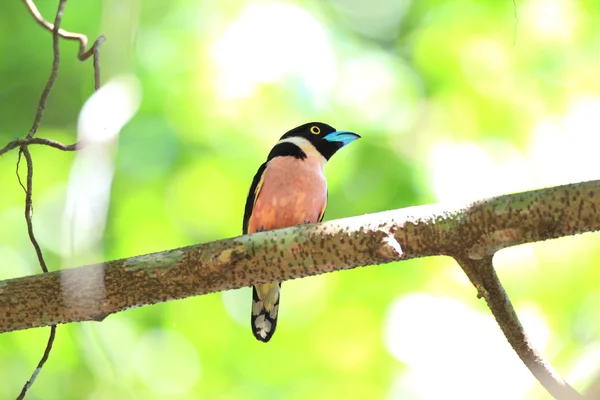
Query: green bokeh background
[[454, 100]]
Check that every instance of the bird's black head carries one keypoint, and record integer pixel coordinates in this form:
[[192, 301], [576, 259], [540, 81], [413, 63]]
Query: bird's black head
[[323, 137]]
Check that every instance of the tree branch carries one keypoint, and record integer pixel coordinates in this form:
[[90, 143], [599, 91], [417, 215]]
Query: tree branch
[[483, 276], [95, 291], [471, 235]]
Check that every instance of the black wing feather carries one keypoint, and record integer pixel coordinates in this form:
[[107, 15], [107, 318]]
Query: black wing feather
[[325, 206], [252, 195]]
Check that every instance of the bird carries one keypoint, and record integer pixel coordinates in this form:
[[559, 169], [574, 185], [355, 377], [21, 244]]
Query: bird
[[289, 189]]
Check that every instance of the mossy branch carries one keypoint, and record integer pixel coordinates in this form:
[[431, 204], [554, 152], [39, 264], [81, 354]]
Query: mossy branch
[[472, 235]]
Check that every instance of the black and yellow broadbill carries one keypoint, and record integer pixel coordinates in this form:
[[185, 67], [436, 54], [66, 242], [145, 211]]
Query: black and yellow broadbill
[[289, 189]]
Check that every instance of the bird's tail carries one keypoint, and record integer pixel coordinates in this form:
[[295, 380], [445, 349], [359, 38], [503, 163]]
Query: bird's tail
[[265, 308]]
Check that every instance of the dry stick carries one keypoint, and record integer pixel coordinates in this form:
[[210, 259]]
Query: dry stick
[[483, 276]]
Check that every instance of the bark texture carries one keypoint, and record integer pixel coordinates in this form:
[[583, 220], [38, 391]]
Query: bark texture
[[472, 233]]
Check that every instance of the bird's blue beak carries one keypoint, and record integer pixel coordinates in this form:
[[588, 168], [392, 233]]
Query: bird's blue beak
[[343, 137]]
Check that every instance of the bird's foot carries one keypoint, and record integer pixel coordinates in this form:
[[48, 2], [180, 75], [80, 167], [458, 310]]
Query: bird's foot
[[262, 228]]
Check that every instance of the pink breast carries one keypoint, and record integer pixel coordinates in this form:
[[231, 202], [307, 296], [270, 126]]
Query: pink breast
[[294, 191]]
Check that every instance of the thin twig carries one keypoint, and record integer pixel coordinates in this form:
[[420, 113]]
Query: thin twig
[[29, 207], [17, 170], [96, 60], [40, 364], [483, 276], [29, 139], [81, 38], [24, 150], [43, 141], [53, 74], [83, 54]]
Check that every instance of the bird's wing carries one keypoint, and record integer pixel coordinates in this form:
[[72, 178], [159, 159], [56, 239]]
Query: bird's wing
[[257, 183], [322, 214]]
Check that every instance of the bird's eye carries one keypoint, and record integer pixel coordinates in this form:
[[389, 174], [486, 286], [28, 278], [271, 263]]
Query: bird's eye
[[315, 130]]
